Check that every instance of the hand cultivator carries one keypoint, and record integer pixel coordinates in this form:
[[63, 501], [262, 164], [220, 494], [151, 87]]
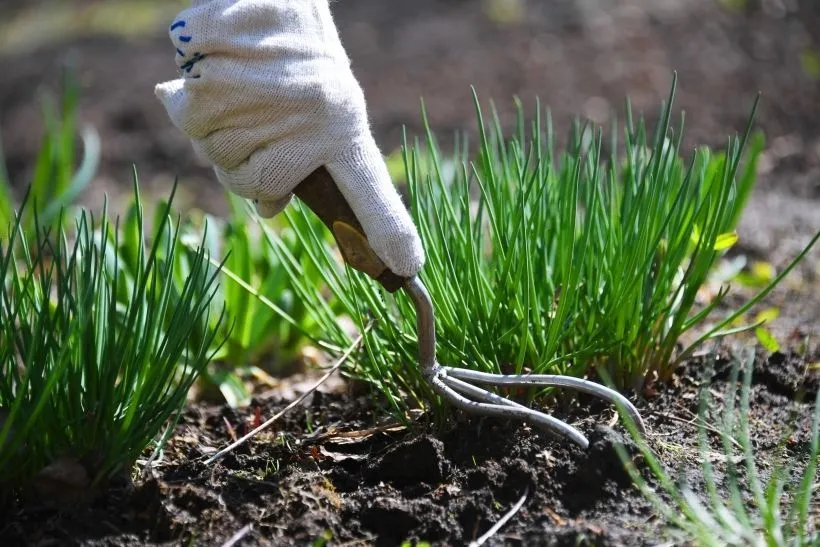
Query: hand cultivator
[[456, 385]]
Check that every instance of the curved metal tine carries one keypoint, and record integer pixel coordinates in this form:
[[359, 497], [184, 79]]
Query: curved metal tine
[[488, 396], [578, 384], [510, 409]]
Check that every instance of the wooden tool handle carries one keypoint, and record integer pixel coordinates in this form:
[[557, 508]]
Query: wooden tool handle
[[319, 192]]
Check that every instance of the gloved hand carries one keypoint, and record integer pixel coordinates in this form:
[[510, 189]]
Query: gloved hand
[[267, 96]]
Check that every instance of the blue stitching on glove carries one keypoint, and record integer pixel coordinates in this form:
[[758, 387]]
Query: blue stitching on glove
[[187, 67]]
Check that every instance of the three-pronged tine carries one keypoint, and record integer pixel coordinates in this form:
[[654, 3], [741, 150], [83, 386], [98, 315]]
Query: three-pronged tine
[[456, 384]]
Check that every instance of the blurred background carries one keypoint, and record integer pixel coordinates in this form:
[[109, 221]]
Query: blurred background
[[581, 57]]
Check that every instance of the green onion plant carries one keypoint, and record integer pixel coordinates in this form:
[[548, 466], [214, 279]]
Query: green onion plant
[[94, 363], [252, 339], [578, 261], [747, 506]]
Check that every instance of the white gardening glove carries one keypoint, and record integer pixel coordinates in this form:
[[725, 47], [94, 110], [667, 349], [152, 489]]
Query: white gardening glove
[[267, 96]]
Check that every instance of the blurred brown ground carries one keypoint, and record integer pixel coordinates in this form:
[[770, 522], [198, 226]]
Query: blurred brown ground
[[581, 57]]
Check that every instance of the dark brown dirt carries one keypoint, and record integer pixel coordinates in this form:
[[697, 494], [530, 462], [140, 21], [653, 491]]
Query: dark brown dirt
[[327, 471]]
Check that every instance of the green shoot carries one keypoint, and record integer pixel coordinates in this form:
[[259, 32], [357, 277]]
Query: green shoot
[[57, 181]]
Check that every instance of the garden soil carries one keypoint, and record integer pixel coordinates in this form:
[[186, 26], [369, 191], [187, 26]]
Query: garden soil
[[336, 472], [580, 57], [337, 466]]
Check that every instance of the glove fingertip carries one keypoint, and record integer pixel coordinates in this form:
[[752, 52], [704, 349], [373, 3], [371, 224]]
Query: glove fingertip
[[164, 91], [402, 252]]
